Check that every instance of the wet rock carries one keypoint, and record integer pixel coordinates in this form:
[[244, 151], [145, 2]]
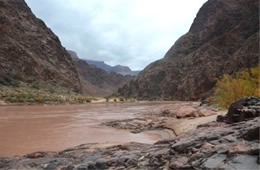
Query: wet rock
[[242, 162], [252, 134], [178, 163], [161, 152], [86, 166], [66, 167], [4, 162], [184, 146], [196, 156], [91, 165], [36, 155], [101, 164], [230, 138], [83, 167], [137, 125], [214, 161], [53, 165], [220, 118], [128, 160]]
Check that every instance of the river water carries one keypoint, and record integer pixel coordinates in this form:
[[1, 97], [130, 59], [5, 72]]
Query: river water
[[25, 129]]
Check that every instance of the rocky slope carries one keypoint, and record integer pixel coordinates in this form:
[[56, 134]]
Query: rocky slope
[[95, 81], [124, 70], [30, 51], [215, 145], [223, 38]]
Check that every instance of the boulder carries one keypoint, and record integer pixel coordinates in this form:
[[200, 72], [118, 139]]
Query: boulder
[[186, 111], [252, 134], [243, 109], [206, 112]]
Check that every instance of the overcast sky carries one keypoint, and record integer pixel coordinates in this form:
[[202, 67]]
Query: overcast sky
[[126, 32]]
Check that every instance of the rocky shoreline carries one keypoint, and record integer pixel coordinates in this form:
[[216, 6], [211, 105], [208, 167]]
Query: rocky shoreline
[[222, 144], [177, 118]]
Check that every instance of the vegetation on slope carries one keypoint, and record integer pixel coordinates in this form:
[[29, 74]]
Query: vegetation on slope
[[120, 99], [231, 88], [13, 91]]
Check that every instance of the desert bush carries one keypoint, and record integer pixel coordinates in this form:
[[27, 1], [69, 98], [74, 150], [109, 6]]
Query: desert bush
[[231, 88], [121, 99], [9, 81], [32, 93]]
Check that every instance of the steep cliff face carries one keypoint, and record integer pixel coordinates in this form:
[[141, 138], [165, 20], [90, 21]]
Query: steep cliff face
[[97, 82], [223, 38], [30, 51]]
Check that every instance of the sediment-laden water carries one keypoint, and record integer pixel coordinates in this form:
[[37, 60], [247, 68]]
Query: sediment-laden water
[[25, 129]]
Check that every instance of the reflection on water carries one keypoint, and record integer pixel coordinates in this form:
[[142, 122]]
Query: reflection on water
[[25, 129]]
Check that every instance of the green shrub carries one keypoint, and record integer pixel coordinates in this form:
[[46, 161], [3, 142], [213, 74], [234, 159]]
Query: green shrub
[[231, 88], [9, 81]]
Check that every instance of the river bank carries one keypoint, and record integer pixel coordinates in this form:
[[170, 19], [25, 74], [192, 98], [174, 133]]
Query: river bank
[[212, 145]]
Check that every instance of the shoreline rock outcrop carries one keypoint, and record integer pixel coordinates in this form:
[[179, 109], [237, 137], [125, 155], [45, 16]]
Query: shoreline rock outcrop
[[242, 110]]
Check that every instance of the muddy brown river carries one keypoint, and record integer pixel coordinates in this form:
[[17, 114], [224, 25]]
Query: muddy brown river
[[25, 129]]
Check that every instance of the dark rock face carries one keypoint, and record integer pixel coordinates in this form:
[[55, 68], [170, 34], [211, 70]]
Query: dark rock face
[[243, 109], [97, 82], [223, 39], [30, 51]]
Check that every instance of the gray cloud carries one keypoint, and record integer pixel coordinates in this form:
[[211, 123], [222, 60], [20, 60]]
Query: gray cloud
[[127, 32]]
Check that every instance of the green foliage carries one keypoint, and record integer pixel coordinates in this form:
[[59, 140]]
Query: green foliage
[[33, 93], [231, 88], [9, 81]]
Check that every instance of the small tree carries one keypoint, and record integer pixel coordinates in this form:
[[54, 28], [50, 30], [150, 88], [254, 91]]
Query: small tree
[[242, 84]]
